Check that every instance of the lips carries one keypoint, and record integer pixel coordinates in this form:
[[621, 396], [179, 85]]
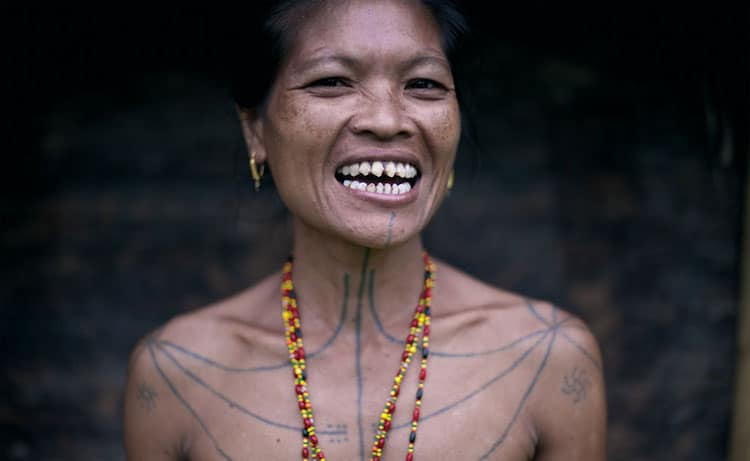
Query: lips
[[388, 178]]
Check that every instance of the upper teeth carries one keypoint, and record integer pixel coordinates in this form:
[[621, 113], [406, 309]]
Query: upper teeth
[[391, 169]]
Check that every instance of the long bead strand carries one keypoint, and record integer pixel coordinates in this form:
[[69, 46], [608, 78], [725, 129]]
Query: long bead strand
[[420, 325]]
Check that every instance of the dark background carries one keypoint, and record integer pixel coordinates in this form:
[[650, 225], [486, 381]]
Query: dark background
[[608, 179]]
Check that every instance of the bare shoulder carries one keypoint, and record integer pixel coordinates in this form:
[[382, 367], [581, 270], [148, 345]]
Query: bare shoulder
[[565, 405], [495, 312], [157, 413]]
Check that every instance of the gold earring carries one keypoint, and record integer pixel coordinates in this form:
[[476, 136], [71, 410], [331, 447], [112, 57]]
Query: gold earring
[[451, 179], [256, 172]]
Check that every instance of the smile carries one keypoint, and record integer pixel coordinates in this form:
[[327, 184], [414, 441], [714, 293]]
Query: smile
[[387, 178]]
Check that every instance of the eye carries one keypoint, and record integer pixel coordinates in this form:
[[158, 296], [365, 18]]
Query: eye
[[330, 82], [425, 84]]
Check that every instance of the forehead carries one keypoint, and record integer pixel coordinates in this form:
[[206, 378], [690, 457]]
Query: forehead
[[367, 28]]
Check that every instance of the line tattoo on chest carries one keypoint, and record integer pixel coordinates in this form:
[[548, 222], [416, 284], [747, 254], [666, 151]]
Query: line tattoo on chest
[[532, 349], [575, 384], [147, 396]]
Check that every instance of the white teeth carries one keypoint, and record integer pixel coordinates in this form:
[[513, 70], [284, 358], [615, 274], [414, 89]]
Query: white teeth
[[379, 188], [378, 168], [390, 169]]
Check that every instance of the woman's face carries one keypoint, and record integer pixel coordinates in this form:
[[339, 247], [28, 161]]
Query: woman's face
[[362, 123]]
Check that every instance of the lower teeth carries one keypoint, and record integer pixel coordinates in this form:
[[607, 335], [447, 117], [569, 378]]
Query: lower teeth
[[379, 188]]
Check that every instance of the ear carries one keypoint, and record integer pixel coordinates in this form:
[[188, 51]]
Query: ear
[[252, 131]]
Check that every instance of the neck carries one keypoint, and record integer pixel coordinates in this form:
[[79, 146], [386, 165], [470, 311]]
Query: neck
[[328, 270]]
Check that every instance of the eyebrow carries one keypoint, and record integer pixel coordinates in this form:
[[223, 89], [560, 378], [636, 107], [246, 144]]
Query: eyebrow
[[349, 61]]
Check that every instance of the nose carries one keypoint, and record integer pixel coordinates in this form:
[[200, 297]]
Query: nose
[[382, 115]]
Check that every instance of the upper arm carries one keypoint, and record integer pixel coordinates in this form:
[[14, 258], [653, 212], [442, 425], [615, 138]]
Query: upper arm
[[152, 428], [571, 412]]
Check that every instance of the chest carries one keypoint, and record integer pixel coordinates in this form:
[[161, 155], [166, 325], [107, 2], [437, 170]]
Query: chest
[[472, 408]]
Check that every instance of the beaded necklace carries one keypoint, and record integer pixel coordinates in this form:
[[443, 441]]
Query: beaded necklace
[[420, 325]]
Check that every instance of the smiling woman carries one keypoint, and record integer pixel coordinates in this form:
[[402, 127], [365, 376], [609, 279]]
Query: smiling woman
[[359, 125]]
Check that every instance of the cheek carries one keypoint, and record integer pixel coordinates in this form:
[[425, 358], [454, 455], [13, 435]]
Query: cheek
[[445, 131], [303, 127]]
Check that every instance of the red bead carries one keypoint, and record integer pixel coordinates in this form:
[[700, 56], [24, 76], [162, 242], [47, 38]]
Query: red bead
[[297, 357]]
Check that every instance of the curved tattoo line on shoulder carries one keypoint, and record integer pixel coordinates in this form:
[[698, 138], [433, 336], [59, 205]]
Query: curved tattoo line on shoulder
[[521, 404], [482, 387], [185, 403], [278, 366], [439, 353], [582, 350]]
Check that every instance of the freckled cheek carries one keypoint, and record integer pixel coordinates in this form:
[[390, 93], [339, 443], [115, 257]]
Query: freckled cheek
[[309, 123], [445, 132]]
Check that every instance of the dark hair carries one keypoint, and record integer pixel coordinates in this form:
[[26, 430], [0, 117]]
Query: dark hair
[[256, 50]]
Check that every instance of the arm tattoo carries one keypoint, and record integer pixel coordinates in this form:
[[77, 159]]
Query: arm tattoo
[[146, 396], [575, 384]]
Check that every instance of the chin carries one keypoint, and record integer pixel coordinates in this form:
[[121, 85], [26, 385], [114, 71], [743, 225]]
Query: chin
[[378, 236]]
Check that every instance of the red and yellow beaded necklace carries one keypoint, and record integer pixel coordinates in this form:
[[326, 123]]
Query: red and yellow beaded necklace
[[420, 325]]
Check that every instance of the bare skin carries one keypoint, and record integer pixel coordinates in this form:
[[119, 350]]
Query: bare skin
[[508, 378]]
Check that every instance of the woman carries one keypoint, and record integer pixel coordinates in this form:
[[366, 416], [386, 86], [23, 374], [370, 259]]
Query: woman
[[360, 128]]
